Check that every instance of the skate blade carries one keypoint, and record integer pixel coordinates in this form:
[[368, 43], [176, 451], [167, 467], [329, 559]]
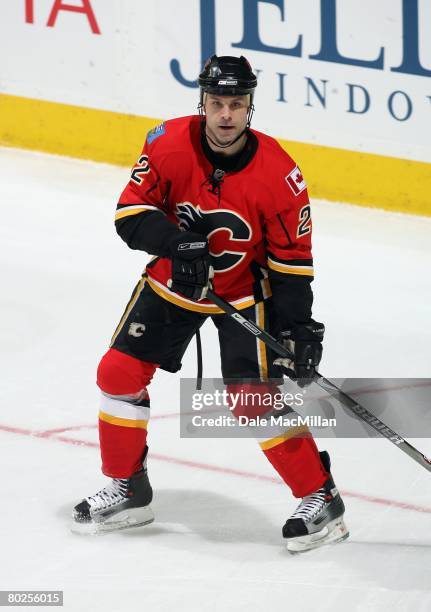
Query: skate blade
[[333, 532], [134, 517]]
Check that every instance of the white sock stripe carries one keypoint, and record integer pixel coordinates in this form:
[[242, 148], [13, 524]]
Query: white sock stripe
[[264, 433], [134, 398], [123, 409]]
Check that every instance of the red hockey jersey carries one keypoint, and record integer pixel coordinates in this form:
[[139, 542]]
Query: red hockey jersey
[[257, 219]]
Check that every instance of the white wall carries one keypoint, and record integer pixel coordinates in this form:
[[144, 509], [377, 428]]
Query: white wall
[[126, 67]]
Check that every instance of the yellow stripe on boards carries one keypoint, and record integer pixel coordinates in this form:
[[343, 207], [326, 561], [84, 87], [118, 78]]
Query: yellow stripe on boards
[[88, 133], [113, 420], [376, 181], [333, 174]]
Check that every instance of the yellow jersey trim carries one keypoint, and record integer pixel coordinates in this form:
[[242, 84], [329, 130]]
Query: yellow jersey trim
[[176, 299], [128, 212], [286, 269]]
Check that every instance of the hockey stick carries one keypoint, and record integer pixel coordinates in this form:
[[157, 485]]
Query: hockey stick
[[324, 383]]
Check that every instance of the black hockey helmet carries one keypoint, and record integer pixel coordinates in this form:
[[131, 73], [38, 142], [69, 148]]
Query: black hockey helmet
[[227, 76]]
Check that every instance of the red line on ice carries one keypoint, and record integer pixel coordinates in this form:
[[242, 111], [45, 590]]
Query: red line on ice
[[50, 434]]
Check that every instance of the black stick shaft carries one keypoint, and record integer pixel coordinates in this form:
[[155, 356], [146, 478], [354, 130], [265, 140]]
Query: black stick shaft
[[347, 401]]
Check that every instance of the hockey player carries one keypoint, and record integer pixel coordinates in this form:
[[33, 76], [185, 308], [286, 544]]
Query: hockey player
[[217, 204]]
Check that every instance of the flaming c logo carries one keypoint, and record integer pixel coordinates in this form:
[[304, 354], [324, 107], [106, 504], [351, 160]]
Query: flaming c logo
[[225, 229]]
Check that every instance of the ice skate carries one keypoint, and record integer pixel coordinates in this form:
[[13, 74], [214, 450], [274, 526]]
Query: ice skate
[[122, 504], [319, 518]]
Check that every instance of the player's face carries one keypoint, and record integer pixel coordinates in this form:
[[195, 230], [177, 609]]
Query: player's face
[[226, 117]]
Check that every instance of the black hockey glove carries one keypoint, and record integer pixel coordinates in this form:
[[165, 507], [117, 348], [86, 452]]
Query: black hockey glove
[[191, 265], [305, 343]]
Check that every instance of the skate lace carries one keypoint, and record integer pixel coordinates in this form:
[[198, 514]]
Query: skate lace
[[310, 506], [109, 496]]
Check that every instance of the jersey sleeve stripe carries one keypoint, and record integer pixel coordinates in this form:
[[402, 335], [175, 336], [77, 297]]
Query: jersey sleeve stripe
[[127, 211], [288, 268]]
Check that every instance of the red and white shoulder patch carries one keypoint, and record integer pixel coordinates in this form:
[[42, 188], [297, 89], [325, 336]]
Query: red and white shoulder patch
[[296, 181]]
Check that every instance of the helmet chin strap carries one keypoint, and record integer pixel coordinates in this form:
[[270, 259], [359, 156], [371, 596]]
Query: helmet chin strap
[[229, 144]]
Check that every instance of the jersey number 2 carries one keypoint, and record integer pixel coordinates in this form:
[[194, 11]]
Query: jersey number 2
[[141, 168], [304, 221]]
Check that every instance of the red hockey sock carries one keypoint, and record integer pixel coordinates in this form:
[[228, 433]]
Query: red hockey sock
[[292, 451], [124, 412], [297, 460]]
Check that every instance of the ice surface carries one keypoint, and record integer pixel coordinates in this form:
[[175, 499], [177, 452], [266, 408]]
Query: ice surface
[[216, 543]]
